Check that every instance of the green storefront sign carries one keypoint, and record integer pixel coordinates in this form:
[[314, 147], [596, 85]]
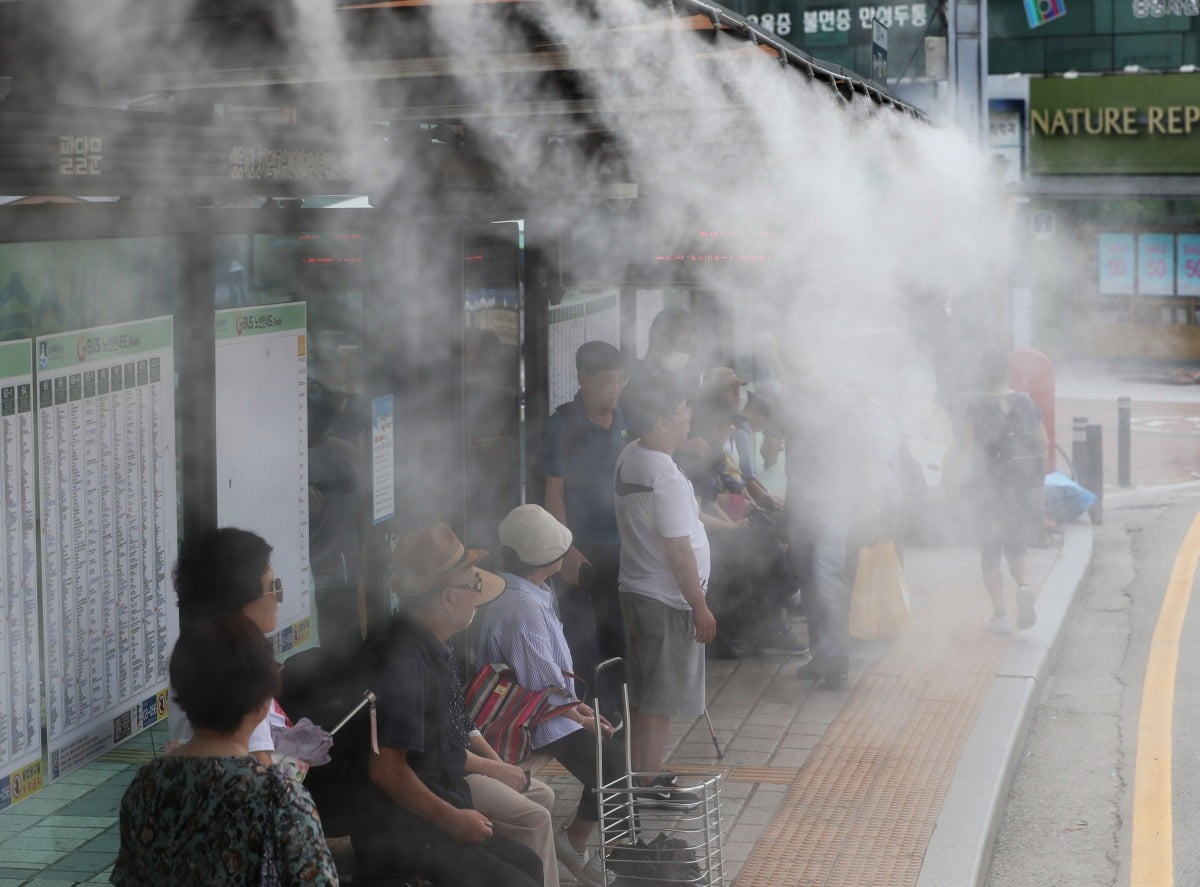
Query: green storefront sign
[[1141, 124], [840, 32]]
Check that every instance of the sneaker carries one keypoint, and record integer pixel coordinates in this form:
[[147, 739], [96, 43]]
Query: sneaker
[[733, 649], [584, 867], [1026, 617], [781, 640], [998, 623], [669, 796], [832, 677]]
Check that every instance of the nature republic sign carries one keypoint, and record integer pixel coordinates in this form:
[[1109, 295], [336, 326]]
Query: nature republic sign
[[1140, 124]]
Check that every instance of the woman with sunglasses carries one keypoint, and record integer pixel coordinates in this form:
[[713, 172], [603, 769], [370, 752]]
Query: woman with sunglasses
[[221, 572]]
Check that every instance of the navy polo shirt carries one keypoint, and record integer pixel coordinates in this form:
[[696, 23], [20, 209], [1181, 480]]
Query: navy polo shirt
[[584, 455], [414, 689]]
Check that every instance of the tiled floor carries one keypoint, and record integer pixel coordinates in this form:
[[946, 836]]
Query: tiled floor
[[768, 723], [67, 832]]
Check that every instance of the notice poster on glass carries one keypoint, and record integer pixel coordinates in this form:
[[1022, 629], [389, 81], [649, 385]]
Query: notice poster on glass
[[383, 458], [20, 649], [1187, 270], [1116, 264], [576, 320], [107, 502], [262, 446], [1156, 264]]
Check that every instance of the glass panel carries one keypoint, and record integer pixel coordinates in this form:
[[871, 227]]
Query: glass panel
[[292, 447], [87, 401], [493, 379]]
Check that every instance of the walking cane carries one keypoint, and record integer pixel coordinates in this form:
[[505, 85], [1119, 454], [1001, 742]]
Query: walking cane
[[713, 734], [368, 698]]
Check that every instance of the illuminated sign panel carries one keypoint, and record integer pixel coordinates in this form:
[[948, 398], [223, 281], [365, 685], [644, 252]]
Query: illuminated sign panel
[[1120, 125]]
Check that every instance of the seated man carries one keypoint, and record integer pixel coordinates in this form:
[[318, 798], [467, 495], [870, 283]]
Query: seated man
[[416, 814]]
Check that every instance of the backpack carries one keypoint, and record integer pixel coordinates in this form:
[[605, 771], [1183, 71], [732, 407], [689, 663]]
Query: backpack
[[1015, 454]]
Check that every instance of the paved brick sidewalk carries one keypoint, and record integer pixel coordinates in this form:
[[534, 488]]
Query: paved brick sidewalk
[[779, 813]]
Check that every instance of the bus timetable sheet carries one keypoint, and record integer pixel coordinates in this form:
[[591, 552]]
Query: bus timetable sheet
[[20, 715], [262, 446], [108, 510]]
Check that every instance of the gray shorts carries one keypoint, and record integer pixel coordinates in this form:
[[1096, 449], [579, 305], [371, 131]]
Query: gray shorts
[[663, 663]]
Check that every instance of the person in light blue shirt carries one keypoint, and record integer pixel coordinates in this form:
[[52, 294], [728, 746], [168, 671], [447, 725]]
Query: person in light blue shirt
[[521, 628]]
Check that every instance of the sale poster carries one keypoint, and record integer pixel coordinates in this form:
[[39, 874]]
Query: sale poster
[[1187, 272], [1156, 264], [1116, 264]]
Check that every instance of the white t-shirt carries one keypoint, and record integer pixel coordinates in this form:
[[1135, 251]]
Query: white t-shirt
[[655, 501], [179, 729]]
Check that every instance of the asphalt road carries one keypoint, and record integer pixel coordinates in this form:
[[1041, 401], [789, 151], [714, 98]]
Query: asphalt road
[[1069, 817]]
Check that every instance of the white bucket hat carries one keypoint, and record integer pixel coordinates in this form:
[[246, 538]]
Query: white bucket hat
[[535, 535]]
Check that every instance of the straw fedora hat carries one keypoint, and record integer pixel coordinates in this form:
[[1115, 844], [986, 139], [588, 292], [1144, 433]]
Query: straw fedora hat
[[425, 558]]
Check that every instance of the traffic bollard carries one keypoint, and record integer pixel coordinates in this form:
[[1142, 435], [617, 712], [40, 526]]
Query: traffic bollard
[[1079, 449], [1124, 417], [1095, 464]]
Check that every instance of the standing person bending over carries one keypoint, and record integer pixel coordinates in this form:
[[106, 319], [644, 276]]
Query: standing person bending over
[[1003, 441], [664, 578]]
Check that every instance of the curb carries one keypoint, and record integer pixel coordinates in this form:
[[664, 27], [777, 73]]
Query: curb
[[960, 849]]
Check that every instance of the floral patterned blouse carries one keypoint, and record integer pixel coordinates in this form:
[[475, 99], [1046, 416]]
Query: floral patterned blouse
[[202, 821]]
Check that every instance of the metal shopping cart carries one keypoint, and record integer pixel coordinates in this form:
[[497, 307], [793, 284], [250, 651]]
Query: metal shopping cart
[[647, 847]]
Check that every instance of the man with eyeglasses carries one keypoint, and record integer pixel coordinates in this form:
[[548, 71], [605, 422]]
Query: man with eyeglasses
[[416, 815]]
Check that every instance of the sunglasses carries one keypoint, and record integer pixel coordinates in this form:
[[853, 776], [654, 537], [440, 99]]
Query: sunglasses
[[476, 586], [275, 589]]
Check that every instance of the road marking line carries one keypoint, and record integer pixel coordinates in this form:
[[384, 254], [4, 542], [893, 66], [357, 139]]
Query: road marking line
[[1153, 861]]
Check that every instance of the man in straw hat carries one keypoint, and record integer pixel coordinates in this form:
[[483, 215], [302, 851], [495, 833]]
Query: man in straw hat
[[417, 815]]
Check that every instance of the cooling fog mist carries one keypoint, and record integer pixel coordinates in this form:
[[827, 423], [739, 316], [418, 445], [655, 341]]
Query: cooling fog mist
[[869, 234]]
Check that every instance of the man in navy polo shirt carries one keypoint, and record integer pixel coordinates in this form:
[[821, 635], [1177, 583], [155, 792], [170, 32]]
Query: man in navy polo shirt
[[579, 454], [416, 813]]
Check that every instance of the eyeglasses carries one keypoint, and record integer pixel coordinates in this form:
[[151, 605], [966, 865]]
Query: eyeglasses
[[275, 589], [476, 586]]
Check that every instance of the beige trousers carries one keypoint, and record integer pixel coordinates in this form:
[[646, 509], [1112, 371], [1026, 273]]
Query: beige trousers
[[521, 817]]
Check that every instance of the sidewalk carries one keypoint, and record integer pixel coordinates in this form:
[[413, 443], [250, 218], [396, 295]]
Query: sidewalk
[[820, 787], [846, 787]]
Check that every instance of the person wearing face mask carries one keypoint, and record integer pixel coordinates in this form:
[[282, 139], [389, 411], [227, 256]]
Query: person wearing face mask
[[671, 342]]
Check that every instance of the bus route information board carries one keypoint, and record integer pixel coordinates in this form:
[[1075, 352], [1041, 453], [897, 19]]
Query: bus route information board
[[262, 446], [108, 511], [20, 649]]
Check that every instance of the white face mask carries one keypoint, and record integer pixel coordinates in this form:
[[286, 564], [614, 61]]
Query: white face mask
[[676, 360]]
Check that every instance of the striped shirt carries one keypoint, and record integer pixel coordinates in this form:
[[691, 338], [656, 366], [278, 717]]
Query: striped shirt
[[523, 631]]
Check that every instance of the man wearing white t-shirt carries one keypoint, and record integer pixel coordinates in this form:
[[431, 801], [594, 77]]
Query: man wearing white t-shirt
[[664, 577]]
